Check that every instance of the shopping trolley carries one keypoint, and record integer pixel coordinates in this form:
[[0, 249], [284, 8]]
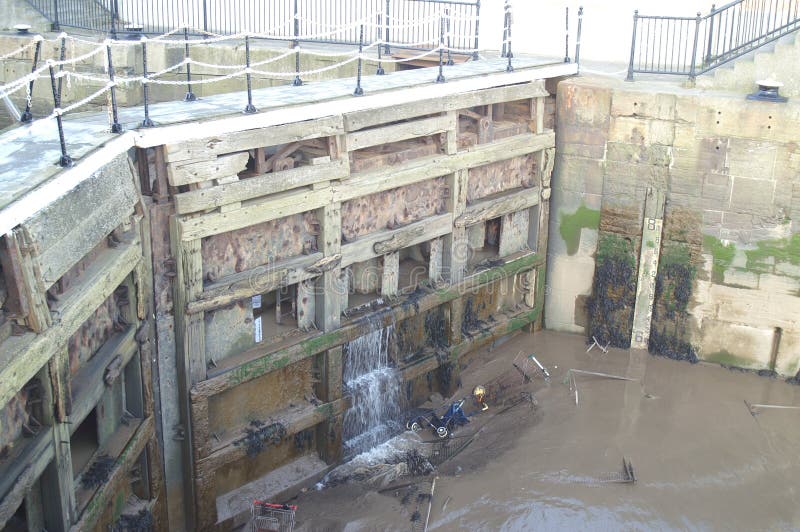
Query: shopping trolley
[[272, 517]]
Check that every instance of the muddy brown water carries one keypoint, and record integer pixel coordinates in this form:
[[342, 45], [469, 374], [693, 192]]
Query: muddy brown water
[[702, 461]]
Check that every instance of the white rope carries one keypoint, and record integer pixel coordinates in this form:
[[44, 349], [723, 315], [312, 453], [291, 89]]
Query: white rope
[[252, 64], [405, 59], [60, 112], [21, 48], [305, 73]]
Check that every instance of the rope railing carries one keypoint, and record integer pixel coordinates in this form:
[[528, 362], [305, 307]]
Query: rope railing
[[103, 72]]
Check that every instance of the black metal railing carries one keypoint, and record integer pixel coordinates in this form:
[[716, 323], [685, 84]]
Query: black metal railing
[[694, 45], [409, 23]]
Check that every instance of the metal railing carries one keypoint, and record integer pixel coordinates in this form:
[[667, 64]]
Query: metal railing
[[323, 21], [695, 45]]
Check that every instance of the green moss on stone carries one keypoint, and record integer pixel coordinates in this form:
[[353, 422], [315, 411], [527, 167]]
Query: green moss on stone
[[571, 225], [722, 254], [781, 249], [726, 358]]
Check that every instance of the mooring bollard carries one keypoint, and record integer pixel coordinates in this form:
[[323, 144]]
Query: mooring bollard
[[359, 91], [65, 161], [116, 127], [250, 108], [190, 96], [146, 86]]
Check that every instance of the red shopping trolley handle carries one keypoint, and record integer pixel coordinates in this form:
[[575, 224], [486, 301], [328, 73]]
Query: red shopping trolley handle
[[275, 506]]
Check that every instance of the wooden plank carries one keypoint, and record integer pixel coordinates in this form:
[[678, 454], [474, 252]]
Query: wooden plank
[[513, 232], [258, 280], [391, 240], [32, 298], [306, 303], [435, 261], [260, 360], [24, 356], [22, 471], [211, 146], [488, 209], [11, 262], [390, 274], [383, 135], [118, 475], [294, 420], [423, 168], [452, 102], [274, 207], [190, 171], [89, 384], [261, 185]]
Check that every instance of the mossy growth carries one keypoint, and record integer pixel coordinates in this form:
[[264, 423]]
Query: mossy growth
[[571, 225], [728, 359], [722, 255], [673, 291], [781, 249], [610, 307]]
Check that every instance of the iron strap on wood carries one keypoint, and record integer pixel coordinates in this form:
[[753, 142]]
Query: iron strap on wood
[[691, 46]]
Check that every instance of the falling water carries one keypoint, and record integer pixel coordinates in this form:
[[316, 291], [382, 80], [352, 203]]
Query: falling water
[[375, 388]]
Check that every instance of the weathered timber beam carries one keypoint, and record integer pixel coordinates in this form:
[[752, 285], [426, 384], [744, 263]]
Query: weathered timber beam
[[376, 244], [453, 102], [258, 280], [261, 185], [89, 384], [274, 207], [215, 143], [118, 476], [423, 168], [22, 468], [487, 209], [293, 420], [260, 361], [501, 327], [395, 133], [23, 356], [188, 172]]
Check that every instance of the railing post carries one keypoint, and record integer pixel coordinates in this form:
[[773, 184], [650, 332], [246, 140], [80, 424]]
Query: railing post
[[386, 49], [56, 21], [205, 16], [710, 33], [297, 81], [693, 67], [65, 161], [633, 46], [147, 122], [190, 96], [116, 127], [380, 71], [475, 54], [449, 44], [249, 108], [578, 39], [27, 116], [510, 53], [440, 77], [566, 37], [114, 18], [359, 91], [62, 55]]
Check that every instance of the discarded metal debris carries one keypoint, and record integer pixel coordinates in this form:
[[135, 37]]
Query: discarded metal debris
[[573, 385], [273, 517], [626, 476], [596, 343], [541, 368]]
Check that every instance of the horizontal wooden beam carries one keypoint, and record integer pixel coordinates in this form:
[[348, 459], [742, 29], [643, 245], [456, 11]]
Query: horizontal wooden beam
[[256, 212], [424, 127], [106, 493], [382, 242], [190, 171], [486, 209], [261, 185], [215, 143], [451, 102], [260, 361], [23, 356], [424, 168], [89, 384], [294, 420], [259, 280]]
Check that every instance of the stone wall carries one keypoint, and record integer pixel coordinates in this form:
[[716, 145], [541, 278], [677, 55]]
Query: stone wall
[[728, 284]]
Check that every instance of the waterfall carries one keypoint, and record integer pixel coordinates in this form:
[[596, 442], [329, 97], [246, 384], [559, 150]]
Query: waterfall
[[375, 388]]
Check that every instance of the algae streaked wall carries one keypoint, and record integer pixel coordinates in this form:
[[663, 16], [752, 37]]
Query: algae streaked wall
[[728, 289]]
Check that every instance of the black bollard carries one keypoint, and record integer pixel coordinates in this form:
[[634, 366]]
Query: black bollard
[[116, 127], [250, 108], [359, 91], [146, 87], [190, 96]]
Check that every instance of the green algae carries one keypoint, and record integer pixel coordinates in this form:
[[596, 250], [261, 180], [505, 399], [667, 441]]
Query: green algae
[[571, 225], [722, 255]]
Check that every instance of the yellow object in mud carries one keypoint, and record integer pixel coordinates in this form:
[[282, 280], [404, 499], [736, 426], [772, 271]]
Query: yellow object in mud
[[479, 393]]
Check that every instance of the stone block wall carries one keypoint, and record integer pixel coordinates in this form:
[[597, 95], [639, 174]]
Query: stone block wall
[[728, 285]]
